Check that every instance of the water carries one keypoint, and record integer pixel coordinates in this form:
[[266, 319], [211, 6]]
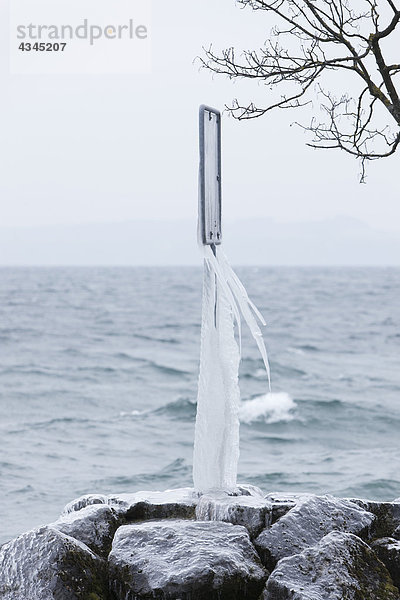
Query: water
[[98, 381]]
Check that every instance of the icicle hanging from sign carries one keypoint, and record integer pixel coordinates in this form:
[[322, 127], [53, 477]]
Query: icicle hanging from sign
[[225, 300]]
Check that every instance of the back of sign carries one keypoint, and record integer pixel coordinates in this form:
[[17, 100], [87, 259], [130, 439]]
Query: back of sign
[[210, 176]]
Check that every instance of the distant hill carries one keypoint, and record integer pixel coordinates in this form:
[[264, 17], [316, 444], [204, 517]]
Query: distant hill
[[339, 241]]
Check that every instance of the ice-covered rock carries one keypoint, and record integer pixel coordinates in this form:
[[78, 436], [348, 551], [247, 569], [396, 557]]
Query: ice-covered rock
[[340, 566], [139, 506], [160, 551], [83, 501], [387, 515], [282, 503], [252, 512], [291, 499], [184, 559], [388, 551], [45, 564], [310, 520], [171, 504], [246, 489], [93, 525]]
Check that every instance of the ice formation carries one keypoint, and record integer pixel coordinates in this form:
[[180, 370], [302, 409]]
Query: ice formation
[[225, 301]]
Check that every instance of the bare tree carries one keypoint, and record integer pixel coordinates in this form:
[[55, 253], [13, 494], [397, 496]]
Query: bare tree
[[318, 38]]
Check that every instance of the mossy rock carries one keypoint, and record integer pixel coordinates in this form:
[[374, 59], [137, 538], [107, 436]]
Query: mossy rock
[[388, 551]]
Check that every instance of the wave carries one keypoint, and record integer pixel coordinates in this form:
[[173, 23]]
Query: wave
[[178, 472], [250, 369], [133, 413], [303, 348], [381, 489], [141, 362], [328, 403], [97, 369], [177, 466], [269, 408], [165, 369], [287, 370], [58, 421], [309, 348], [169, 370], [183, 408], [29, 369], [151, 338], [49, 423]]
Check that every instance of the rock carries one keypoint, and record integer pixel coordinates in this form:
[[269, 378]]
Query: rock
[[246, 489], [282, 503], [84, 501], [387, 522], [396, 533], [171, 504], [340, 566], [93, 525], [254, 513], [388, 551], [140, 506], [185, 560], [45, 564], [287, 497], [309, 521]]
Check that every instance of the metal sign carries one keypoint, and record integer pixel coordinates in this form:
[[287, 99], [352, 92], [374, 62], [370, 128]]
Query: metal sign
[[210, 176]]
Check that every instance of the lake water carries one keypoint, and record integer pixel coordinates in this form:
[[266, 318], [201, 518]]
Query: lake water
[[98, 380]]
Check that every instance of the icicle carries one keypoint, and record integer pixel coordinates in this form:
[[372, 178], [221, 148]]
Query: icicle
[[215, 265], [216, 448], [216, 451], [227, 277]]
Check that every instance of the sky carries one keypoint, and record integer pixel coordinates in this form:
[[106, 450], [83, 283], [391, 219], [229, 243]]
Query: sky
[[119, 148]]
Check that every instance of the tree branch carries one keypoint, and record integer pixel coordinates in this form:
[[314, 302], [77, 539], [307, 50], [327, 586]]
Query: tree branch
[[331, 36]]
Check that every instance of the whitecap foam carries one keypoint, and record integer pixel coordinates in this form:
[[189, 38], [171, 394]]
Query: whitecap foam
[[270, 408], [132, 413]]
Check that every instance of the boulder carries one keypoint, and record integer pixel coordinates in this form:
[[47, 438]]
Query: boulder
[[83, 501], [387, 522], [340, 566], [289, 498], [396, 533], [388, 551], [252, 512], [282, 503], [171, 504], [307, 523], [93, 525], [186, 560], [45, 564]]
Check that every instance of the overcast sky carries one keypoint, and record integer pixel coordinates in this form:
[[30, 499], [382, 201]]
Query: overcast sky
[[82, 149]]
